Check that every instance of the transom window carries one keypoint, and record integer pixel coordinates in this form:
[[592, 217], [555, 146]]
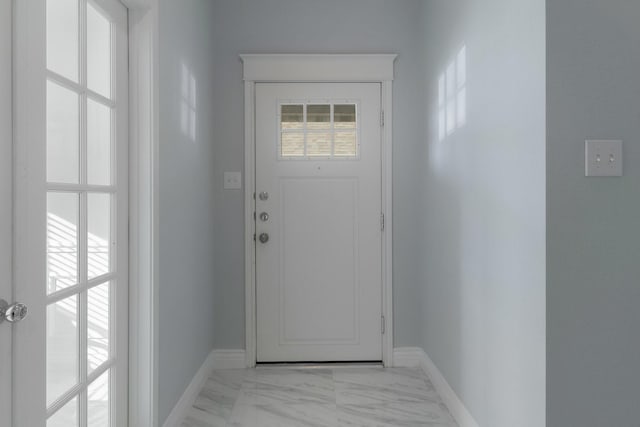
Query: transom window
[[322, 130]]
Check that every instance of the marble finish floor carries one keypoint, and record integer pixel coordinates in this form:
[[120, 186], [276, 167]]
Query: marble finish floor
[[318, 397]]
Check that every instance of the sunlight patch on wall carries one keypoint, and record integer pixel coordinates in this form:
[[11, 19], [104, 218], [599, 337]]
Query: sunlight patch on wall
[[452, 96], [188, 107]]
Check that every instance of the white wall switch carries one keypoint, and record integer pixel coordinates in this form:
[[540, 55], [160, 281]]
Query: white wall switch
[[603, 158], [232, 180]]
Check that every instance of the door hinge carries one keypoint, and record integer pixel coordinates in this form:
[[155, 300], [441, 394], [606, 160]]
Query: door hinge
[[383, 325], [381, 118], [381, 222]]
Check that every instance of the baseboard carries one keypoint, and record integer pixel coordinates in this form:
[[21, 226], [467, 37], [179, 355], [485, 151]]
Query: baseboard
[[415, 357], [179, 412], [217, 359], [229, 359]]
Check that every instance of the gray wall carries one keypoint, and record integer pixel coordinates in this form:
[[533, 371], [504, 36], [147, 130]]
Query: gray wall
[[186, 203], [593, 234], [311, 26], [469, 249], [483, 287]]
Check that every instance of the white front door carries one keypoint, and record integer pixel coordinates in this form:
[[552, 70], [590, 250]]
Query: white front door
[[70, 213], [318, 228]]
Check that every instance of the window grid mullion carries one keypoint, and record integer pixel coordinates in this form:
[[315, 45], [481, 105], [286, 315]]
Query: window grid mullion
[[333, 130], [83, 223], [304, 126], [79, 88], [113, 233]]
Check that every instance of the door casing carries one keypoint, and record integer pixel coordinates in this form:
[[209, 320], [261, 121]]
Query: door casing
[[377, 68]]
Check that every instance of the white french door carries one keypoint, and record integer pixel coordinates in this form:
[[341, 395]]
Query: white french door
[[318, 222], [70, 222]]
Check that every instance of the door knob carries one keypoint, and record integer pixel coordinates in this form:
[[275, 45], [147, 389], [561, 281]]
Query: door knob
[[264, 238], [12, 313], [264, 217]]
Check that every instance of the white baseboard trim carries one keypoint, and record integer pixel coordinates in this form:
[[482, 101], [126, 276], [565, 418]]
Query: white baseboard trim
[[217, 359], [415, 357], [179, 412], [229, 359]]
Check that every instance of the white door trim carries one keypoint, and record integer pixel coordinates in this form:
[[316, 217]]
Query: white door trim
[[318, 68], [143, 232]]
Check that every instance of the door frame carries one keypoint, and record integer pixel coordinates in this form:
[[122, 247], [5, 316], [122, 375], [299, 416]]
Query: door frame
[[318, 68], [143, 211]]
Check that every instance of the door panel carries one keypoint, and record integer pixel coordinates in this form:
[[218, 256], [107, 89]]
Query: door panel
[[71, 245], [318, 277], [318, 271]]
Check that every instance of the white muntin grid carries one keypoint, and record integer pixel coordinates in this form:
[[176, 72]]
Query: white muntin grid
[[108, 274]]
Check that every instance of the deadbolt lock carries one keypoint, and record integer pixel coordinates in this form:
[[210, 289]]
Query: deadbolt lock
[[264, 238]]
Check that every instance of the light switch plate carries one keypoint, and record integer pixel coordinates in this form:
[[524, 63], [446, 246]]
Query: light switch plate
[[603, 158], [232, 180]]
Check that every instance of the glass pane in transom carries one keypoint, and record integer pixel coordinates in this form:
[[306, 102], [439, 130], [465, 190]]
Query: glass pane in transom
[[318, 116], [62, 347], [291, 117], [99, 145], [98, 234], [344, 116], [62, 241], [291, 144], [67, 416], [98, 402], [319, 144], [62, 38], [98, 52], [345, 144], [63, 134], [98, 322]]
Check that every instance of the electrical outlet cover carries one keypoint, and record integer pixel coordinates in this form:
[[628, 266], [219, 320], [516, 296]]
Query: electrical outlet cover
[[232, 180], [603, 158]]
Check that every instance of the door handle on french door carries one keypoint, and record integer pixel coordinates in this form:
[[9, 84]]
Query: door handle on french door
[[264, 238], [12, 313]]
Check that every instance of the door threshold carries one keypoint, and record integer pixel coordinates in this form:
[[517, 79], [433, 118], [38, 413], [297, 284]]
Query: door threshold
[[320, 365]]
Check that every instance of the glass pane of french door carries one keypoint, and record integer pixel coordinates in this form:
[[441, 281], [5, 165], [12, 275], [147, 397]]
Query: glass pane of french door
[[85, 191]]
